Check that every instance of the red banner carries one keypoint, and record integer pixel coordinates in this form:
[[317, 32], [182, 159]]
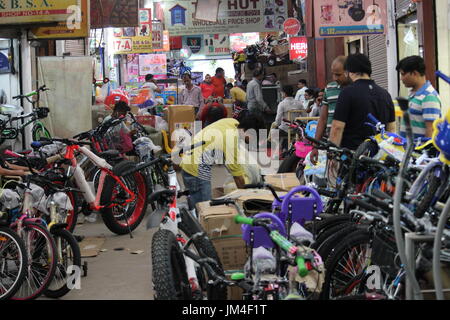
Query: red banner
[[298, 48]]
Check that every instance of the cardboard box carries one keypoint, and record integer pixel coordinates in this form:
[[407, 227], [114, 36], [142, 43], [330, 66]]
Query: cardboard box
[[232, 252], [283, 182], [179, 117]]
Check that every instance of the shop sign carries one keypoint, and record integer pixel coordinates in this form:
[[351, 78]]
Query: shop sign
[[157, 36], [234, 16], [292, 26], [125, 45], [155, 64], [194, 43], [35, 11], [347, 18], [298, 48], [217, 44], [76, 27], [114, 13]]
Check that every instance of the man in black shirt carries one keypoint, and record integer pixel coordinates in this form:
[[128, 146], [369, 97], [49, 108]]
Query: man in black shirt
[[349, 128]]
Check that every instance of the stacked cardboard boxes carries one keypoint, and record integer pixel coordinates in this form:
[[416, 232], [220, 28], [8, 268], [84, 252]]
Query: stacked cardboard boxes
[[179, 117]]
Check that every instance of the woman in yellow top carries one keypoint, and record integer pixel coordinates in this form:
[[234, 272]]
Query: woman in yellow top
[[237, 94], [221, 146]]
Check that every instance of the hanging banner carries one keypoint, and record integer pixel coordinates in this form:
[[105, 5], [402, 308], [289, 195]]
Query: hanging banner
[[32, 11], [207, 10], [217, 44], [194, 43], [347, 18], [298, 48], [240, 41], [157, 36], [234, 16], [78, 26], [155, 64], [114, 13]]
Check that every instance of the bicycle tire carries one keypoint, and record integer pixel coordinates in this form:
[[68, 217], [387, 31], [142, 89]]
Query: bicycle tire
[[289, 164], [333, 239], [359, 237], [169, 277], [40, 131], [328, 222], [427, 201], [21, 263], [54, 291], [49, 265], [190, 226], [136, 212]]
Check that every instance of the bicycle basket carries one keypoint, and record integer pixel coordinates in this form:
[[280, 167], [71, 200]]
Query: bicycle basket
[[384, 253], [42, 113]]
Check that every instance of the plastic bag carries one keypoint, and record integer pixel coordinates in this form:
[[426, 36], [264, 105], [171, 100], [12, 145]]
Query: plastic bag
[[263, 261], [145, 147], [118, 138], [9, 199], [300, 234], [161, 124]]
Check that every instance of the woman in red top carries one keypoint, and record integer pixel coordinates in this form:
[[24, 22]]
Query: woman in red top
[[207, 88], [219, 83]]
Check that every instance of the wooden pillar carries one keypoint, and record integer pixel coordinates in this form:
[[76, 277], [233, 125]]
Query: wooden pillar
[[427, 21], [321, 63]]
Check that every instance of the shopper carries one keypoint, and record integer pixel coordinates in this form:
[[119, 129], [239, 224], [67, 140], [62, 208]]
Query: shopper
[[332, 92], [288, 104], [238, 94], [316, 107], [191, 95], [221, 142], [219, 83], [255, 100], [424, 101], [207, 87], [150, 83], [364, 96], [212, 113], [310, 99], [302, 87]]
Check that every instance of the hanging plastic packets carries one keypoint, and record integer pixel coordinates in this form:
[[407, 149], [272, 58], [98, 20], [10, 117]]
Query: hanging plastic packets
[[9, 199], [63, 204], [145, 148], [263, 261], [38, 198]]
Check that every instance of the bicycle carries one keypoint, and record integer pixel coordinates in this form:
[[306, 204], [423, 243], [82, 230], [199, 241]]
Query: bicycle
[[38, 113]]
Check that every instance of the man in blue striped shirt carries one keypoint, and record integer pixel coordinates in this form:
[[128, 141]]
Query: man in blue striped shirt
[[424, 100]]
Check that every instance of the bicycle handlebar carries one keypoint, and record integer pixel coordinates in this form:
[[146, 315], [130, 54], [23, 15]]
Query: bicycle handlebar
[[263, 186], [66, 141]]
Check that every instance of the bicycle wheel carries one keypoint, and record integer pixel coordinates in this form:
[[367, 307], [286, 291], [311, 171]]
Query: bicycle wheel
[[190, 226], [169, 276], [332, 238], [69, 254], [41, 251], [345, 266], [39, 131], [13, 263], [123, 219], [428, 193]]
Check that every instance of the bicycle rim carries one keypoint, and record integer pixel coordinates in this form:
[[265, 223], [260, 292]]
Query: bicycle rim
[[41, 253], [12, 263], [66, 258]]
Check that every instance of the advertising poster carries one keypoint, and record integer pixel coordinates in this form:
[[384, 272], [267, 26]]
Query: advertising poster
[[217, 44], [234, 16], [298, 48], [239, 41], [347, 18], [26, 11], [195, 43], [78, 29], [207, 10], [197, 78], [114, 13], [170, 97], [155, 64], [157, 36]]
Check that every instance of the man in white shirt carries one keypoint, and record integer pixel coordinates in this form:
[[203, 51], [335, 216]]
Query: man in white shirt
[[288, 103], [150, 83], [300, 96]]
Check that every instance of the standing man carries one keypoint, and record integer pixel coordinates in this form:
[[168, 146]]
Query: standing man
[[219, 83], [424, 101], [356, 101], [255, 100], [332, 92], [191, 95], [150, 83], [207, 87], [302, 87]]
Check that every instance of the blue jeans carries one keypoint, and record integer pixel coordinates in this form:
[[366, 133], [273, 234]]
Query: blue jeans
[[200, 190]]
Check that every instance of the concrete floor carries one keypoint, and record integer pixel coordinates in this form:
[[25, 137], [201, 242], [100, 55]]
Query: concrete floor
[[120, 275]]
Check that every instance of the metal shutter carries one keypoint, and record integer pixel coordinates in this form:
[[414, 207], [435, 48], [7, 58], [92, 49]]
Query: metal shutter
[[76, 48], [378, 56]]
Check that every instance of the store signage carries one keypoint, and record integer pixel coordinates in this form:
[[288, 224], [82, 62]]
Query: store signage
[[132, 45], [292, 26], [194, 43], [234, 16], [347, 18], [217, 44], [76, 27], [157, 36], [35, 11], [114, 13], [298, 48]]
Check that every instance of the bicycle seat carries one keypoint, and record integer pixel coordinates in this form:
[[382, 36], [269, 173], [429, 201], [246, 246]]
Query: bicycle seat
[[109, 154]]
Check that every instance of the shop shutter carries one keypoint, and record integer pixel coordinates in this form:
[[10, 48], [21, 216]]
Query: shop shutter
[[76, 48], [377, 50]]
